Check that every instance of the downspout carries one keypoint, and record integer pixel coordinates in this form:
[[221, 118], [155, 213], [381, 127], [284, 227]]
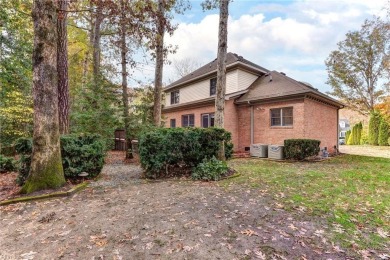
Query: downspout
[[252, 122], [338, 131]]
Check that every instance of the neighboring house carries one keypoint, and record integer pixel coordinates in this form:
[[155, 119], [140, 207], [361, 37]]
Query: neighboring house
[[343, 127], [261, 106]]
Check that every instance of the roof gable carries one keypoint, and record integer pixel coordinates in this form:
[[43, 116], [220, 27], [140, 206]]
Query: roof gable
[[275, 85], [209, 68]]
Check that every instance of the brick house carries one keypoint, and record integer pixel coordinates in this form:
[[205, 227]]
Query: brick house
[[261, 106]]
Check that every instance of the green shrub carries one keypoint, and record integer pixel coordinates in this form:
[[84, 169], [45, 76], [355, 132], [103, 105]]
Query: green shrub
[[383, 137], [299, 149], [373, 131], [23, 146], [80, 153], [355, 136], [24, 169], [347, 136], [163, 147], [7, 164], [364, 137], [210, 170]]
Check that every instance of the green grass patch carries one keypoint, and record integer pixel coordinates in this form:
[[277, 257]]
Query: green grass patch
[[351, 191]]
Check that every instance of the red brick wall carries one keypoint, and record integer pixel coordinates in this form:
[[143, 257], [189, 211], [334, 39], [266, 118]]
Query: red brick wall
[[244, 127], [264, 133], [231, 118], [196, 111], [321, 123], [311, 120]]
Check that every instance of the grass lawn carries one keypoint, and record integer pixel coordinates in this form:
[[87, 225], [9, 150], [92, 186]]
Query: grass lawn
[[352, 192]]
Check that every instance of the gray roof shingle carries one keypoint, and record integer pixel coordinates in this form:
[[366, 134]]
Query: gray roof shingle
[[231, 58], [275, 84]]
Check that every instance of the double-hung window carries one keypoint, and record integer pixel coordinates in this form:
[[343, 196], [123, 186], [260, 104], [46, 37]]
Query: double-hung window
[[208, 120], [173, 123], [187, 120], [175, 97], [213, 86], [282, 116]]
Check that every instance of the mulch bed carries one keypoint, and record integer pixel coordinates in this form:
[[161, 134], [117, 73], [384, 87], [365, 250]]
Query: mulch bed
[[9, 189], [8, 186]]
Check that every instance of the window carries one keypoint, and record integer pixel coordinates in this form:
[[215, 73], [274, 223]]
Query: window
[[175, 97], [213, 86], [342, 133], [208, 120], [282, 116], [187, 120], [173, 123]]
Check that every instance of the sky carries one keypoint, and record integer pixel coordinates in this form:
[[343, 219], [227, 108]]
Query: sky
[[292, 36]]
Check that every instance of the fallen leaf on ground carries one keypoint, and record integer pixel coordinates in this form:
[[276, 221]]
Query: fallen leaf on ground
[[46, 219], [62, 234], [249, 232], [99, 240], [365, 254], [293, 227], [383, 233], [29, 255], [259, 254]]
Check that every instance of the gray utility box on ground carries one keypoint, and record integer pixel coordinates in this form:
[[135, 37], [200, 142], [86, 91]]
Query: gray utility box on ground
[[259, 150], [275, 152]]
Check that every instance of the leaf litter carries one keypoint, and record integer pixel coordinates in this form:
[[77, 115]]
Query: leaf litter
[[123, 213]]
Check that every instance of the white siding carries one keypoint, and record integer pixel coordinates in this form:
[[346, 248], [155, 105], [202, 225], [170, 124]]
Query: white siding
[[231, 81], [199, 90], [245, 79], [235, 81]]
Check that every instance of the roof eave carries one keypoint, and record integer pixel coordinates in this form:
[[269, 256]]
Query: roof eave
[[320, 96], [232, 65], [192, 104]]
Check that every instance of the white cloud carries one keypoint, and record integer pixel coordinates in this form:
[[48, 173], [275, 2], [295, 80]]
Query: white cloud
[[295, 38]]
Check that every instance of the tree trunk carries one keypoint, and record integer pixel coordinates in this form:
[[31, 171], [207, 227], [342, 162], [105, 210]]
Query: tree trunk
[[46, 165], [62, 67], [125, 96], [85, 72], [221, 70], [96, 36], [159, 64]]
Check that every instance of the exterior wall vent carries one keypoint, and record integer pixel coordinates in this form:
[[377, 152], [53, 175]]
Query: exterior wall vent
[[259, 150]]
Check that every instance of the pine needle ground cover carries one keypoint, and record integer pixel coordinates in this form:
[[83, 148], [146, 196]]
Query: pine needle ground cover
[[351, 192]]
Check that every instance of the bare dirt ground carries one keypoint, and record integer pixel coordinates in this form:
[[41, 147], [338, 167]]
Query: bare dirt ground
[[366, 150], [121, 216]]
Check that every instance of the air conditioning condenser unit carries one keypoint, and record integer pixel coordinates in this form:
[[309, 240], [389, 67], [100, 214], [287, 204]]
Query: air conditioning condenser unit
[[259, 150], [275, 152]]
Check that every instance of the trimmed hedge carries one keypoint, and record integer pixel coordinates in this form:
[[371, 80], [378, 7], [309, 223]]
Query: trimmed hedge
[[355, 136], [299, 149], [80, 153], [373, 127], [383, 136], [7, 164], [164, 147]]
